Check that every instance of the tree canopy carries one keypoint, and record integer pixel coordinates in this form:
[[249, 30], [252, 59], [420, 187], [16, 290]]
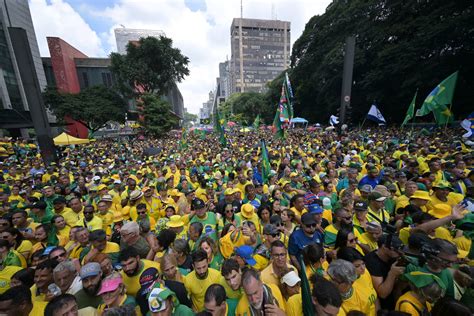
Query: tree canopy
[[93, 107], [151, 65], [401, 46], [157, 116], [246, 106]]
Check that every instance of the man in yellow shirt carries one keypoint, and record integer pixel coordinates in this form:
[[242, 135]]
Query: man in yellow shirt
[[132, 269], [259, 297], [279, 258], [60, 208], [90, 220], [442, 195], [200, 279]]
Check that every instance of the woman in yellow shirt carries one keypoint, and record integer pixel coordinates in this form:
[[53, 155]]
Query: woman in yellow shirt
[[62, 230], [364, 281], [426, 288], [343, 274], [16, 241]]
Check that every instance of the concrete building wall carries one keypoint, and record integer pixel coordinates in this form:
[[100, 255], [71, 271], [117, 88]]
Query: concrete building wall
[[265, 54]]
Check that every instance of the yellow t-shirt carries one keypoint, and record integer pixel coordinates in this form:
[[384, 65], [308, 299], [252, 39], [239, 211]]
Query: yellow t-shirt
[[197, 287], [132, 283], [366, 239], [268, 276], [243, 307], [107, 219], [358, 301], [6, 275], [365, 286], [294, 305], [94, 224], [25, 246], [408, 307], [70, 217]]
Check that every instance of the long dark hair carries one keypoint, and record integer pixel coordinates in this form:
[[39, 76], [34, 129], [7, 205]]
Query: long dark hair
[[341, 238], [19, 236]]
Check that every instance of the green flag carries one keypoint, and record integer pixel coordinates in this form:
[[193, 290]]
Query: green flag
[[256, 123], [220, 130], [439, 99], [284, 112], [266, 167], [276, 128], [411, 110], [308, 308], [183, 143]]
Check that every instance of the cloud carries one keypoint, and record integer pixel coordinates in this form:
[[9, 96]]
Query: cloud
[[58, 18], [201, 29]]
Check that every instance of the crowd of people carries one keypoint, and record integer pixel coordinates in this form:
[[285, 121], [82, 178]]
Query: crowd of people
[[355, 222]]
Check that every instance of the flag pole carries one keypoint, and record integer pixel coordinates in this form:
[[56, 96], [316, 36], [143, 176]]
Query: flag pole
[[450, 113]]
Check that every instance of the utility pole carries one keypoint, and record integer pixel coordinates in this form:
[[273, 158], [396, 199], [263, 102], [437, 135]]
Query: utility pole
[[241, 49], [347, 78]]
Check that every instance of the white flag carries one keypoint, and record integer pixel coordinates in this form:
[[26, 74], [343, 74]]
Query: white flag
[[375, 115]]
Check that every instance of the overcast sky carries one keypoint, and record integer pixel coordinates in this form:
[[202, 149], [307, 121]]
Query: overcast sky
[[200, 28]]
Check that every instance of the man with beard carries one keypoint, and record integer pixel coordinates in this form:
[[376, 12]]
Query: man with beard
[[200, 279], [132, 269], [91, 276], [342, 219], [302, 237], [259, 299]]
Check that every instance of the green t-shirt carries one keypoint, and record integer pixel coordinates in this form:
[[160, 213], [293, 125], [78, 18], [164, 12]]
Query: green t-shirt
[[85, 300], [209, 223]]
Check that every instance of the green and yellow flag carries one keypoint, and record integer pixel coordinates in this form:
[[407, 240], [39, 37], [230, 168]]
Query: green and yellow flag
[[411, 110], [256, 123], [439, 100], [266, 167]]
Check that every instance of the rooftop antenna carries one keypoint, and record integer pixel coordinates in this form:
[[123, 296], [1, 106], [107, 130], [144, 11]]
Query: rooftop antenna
[[274, 13], [123, 26], [241, 50]]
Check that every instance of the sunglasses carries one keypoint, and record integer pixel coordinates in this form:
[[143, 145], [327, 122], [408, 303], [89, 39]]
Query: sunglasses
[[141, 213], [88, 212], [311, 225], [61, 255], [353, 240], [275, 235], [279, 224]]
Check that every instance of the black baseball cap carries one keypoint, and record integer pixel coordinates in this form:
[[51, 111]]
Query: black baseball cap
[[197, 204], [308, 219]]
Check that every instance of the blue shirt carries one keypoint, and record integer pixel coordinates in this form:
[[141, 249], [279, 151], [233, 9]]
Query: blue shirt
[[298, 240], [367, 180]]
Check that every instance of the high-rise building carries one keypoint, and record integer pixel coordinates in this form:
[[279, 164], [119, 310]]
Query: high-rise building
[[123, 36], [265, 49], [18, 89]]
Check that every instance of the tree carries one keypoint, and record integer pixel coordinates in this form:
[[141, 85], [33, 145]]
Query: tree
[[158, 117], [189, 119], [93, 107], [151, 65], [246, 106], [400, 46]]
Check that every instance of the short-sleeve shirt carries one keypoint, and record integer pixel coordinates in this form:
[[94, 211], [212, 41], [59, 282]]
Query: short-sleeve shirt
[[379, 268], [298, 240]]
